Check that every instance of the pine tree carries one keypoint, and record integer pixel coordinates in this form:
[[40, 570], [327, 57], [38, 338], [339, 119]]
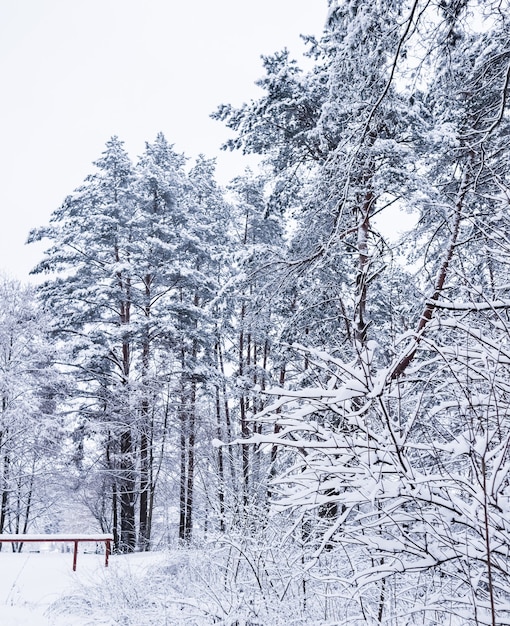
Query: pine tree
[[395, 452], [91, 287]]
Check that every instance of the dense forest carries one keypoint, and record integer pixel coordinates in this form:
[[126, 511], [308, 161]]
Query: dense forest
[[274, 371]]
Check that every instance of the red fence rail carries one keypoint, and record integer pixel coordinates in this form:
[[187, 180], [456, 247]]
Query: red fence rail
[[63, 538]]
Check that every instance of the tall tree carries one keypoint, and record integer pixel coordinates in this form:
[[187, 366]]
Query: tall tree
[[160, 191], [91, 285], [30, 431], [397, 455], [135, 262], [341, 142]]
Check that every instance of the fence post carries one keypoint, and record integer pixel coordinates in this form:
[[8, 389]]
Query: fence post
[[107, 551], [75, 555]]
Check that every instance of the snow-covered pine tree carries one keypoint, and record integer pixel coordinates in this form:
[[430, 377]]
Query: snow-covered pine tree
[[90, 291], [397, 461], [160, 189]]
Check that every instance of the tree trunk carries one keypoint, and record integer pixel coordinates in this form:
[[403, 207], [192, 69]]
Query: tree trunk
[[144, 529], [127, 494], [183, 452], [114, 501], [190, 473], [5, 491], [245, 450], [143, 524], [442, 274], [226, 410], [221, 471]]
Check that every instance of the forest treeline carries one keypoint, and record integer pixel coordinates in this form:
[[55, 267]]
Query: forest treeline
[[271, 366]]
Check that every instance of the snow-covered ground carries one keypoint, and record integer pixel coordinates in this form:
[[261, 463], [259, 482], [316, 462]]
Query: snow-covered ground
[[214, 584], [41, 589]]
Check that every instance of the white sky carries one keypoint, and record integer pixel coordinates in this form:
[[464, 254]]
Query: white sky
[[75, 72]]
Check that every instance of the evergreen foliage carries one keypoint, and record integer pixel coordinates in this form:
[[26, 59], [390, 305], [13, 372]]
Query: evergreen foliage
[[354, 384]]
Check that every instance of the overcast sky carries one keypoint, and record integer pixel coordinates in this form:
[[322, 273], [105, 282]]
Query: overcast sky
[[75, 72]]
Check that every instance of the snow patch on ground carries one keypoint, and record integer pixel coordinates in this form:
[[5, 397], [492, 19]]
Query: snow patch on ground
[[41, 589]]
